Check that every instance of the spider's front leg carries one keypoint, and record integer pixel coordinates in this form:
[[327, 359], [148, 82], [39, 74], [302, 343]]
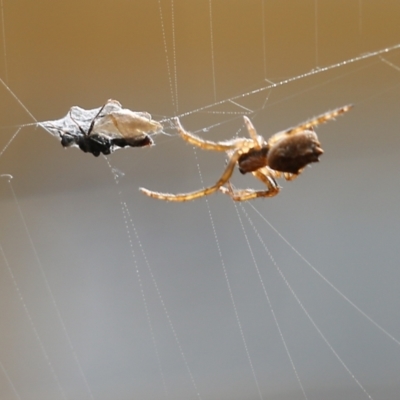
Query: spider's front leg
[[199, 193], [204, 144]]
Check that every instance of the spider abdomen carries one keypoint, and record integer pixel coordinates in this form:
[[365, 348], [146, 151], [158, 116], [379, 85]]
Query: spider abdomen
[[293, 153], [253, 160]]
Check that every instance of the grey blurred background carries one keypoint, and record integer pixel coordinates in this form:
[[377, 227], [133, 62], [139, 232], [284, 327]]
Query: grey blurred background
[[93, 307]]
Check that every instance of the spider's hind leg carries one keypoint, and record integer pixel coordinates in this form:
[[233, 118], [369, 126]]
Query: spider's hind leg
[[320, 119]]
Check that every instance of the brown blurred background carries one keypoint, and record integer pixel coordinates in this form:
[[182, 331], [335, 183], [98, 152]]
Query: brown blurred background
[[86, 270]]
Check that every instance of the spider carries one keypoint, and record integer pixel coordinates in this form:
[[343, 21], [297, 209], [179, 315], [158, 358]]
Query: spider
[[285, 155]]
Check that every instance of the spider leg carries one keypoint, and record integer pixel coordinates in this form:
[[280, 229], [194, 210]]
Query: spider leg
[[308, 125], [204, 144], [291, 177], [266, 176], [199, 193], [252, 133]]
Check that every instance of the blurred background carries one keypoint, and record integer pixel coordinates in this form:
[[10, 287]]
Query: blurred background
[[108, 294]]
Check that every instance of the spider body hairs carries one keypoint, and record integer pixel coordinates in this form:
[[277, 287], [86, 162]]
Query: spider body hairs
[[284, 154], [108, 128]]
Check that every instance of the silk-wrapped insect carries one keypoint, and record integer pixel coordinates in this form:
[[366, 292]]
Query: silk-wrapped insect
[[105, 129]]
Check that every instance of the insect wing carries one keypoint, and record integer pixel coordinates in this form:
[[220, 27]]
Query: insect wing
[[127, 128]]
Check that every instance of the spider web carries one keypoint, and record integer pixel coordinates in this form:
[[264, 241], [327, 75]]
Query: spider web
[[108, 294]]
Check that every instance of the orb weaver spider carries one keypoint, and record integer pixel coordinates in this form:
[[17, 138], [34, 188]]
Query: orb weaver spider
[[284, 154]]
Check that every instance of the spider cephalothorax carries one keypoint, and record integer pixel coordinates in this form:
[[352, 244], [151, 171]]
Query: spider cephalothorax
[[254, 159], [285, 154]]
